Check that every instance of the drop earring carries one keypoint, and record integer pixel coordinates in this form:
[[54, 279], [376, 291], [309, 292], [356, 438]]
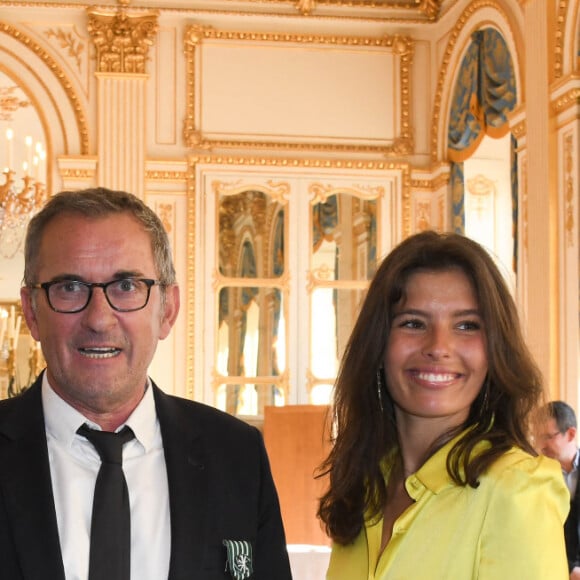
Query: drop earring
[[380, 389]]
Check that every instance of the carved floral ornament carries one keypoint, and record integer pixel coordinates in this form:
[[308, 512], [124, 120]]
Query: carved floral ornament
[[122, 40]]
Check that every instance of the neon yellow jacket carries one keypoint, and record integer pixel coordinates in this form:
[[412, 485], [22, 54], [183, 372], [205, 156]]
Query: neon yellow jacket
[[509, 528]]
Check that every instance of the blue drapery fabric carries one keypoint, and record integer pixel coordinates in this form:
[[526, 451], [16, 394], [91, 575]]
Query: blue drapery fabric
[[484, 94]]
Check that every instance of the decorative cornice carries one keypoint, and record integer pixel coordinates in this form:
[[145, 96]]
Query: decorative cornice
[[84, 174], [569, 99], [155, 175], [296, 162], [430, 184]]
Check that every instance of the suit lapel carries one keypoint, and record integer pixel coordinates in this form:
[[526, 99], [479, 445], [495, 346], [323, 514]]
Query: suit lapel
[[26, 486], [186, 462]]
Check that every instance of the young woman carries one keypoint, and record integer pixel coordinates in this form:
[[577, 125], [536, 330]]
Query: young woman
[[432, 475]]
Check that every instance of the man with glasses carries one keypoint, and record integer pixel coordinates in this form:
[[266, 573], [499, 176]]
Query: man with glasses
[[557, 439], [102, 475]]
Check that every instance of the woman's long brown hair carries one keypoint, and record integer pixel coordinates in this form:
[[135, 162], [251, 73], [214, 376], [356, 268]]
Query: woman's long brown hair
[[365, 433]]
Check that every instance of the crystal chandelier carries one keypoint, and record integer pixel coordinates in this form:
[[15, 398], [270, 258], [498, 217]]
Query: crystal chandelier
[[20, 197]]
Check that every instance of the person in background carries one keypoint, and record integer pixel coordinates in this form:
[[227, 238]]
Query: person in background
[[557, 439], [99, 293], [432, 475]]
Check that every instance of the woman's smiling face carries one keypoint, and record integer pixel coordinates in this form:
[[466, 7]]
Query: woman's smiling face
[[436, 358]]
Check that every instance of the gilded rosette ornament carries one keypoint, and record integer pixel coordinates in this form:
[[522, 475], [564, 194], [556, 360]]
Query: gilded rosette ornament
[[122, 40]]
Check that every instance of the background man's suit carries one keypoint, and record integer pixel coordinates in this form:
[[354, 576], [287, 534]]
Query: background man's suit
[[572, 531], [220, 487]]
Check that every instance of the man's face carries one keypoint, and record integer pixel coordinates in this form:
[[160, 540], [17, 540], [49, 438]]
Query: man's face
[[97, 359], [552, 443]]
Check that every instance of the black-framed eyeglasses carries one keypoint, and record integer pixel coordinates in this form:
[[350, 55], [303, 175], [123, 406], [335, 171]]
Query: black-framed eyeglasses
[[550, 436], [123, 295]]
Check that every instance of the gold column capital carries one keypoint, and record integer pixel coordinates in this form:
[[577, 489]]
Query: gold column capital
[[122, 40]]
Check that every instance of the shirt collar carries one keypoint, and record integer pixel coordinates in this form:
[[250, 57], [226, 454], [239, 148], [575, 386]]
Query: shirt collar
[[433, 473], [62, 420], [576, 461]]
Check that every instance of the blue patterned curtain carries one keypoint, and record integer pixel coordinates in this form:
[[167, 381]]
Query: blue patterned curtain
[[484, 94]]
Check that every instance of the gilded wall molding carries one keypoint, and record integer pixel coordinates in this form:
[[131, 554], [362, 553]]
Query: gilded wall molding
[[519, 129], [568, 100], [402, 47], [569, 186], [60, 76], [431, 184], [84, 174], [471, 9], [559, 38], [172, 176]]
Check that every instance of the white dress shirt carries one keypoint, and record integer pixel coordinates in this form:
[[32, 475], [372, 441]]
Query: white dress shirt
[[74, 464], [572, 477]]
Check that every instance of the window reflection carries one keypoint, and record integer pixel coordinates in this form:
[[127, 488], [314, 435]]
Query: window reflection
[[251, 305], [343, 260], [344, 237]]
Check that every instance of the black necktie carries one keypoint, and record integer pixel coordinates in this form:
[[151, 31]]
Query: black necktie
[[110, 553]]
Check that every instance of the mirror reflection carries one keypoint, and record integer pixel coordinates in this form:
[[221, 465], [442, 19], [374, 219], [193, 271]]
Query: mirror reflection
[[344, 238], [334, 313], [251, 332], [251, 329], [251, 235], [248, 398]]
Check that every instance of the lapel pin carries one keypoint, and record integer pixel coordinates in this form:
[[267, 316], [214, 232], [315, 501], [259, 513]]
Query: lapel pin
[[239, 559]]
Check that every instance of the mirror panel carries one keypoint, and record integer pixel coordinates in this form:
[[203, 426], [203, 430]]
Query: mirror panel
[[344, 237], [251, 235], [251, 332], [248, 399], [333, 314]]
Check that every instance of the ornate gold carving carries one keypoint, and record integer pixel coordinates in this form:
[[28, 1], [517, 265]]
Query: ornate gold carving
[[441, 212], [402, 46], [443, 73], [569, 175], [279, 191], [77, 173], [10, 103], [430, 184], [523, 179], [305, 6], [59, 74], [122, 40], [427, 8], [190, 283], [564, 102], [559, 39], [423, 221], [66, 40], [165, 175], [320, 192], [165, 212], [519, 129]]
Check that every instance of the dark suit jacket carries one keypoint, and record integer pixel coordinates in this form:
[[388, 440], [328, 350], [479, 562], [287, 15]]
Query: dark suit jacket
[[572, 530], [220, 487]]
